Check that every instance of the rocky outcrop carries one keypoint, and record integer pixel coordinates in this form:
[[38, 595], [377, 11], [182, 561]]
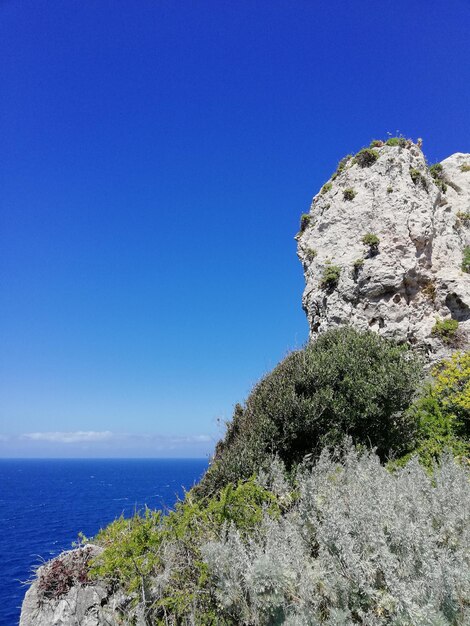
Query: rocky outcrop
[[383, 248], [63, 594]]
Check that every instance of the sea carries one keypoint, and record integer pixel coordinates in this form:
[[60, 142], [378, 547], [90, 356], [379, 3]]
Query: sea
[[44, 504]]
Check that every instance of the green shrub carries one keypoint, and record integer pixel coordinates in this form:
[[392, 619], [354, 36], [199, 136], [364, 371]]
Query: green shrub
[[349, 194], [341, 166], [131, 548], [310, 253], [389, 189], [157, 560], [445, 329], [442, 412], [466, 260], [346, 382], [305, 219], [436, 170], [464, 217], [418, 178], [437, 173], [326, 188], [358, 264], [371, 240], [376, 143], [330, 276], [396, 142], [465, 167], [366, 157]]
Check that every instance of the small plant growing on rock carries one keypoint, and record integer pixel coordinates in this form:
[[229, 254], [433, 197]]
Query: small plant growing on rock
[[326, 188], [437, 173], [305, 219], [464, 217], [376, 143], [330, 276], [371, 240], [436, 170], [357, 267], [445, 329], [310, 254], [389, 189], [466, 260], [465, 167], [418, 178], [341, 166], [429, 290], [399, 142], [366, 157], [349, 194], [58, 576]]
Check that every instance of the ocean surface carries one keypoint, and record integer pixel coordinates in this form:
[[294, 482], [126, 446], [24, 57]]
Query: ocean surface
[[44, 504]]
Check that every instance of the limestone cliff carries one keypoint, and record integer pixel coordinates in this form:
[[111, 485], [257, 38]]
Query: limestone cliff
[[383, 248]]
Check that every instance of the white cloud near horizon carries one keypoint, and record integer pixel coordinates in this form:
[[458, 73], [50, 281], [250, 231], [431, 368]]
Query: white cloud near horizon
[[79, 436], [92, 436]]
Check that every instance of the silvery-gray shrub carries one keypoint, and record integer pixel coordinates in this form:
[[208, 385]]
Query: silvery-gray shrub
[[359, 545]]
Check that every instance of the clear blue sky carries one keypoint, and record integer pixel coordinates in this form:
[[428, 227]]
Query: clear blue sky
[[156, 156]]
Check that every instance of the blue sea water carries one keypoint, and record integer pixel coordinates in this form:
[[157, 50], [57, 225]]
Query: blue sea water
[[45, 503]]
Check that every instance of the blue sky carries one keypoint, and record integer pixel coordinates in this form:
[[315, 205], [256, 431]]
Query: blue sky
[[156, 157]]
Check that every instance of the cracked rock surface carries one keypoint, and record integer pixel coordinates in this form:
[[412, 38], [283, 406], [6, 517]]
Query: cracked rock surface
[[414, 275]]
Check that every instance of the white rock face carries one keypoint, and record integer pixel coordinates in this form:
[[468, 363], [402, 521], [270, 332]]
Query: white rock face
[[415, 276]]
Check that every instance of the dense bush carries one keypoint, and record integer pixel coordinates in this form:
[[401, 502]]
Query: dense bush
[[442, 412], [396, 142], [360, 546], [345, 382], [349, 194], [330, 276], [373, 241], [366, 157], [445, 329]]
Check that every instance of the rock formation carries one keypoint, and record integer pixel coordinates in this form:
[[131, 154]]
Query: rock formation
[[64, 595], [383, 248]]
